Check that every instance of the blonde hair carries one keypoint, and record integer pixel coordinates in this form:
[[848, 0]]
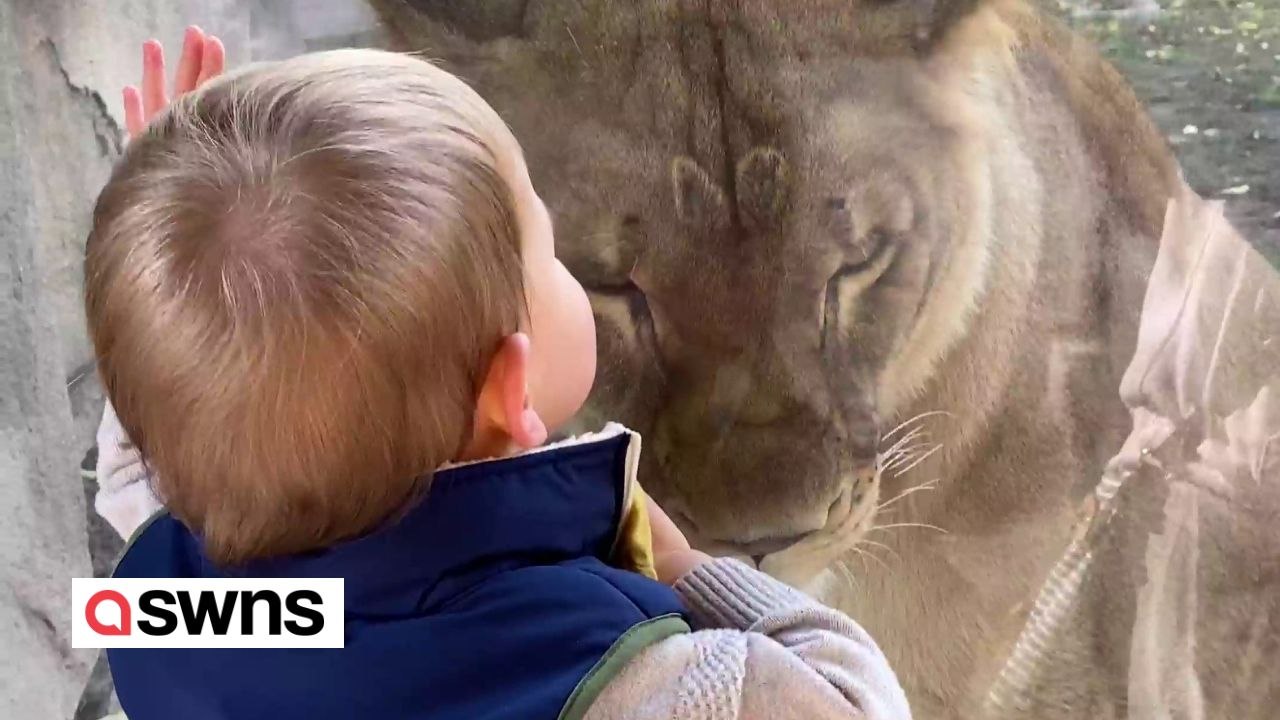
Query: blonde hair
[[294, 284]]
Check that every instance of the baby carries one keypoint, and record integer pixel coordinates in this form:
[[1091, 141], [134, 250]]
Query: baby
[[327, 309]]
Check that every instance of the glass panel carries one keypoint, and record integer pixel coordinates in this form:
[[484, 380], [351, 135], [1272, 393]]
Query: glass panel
[[960, 316]]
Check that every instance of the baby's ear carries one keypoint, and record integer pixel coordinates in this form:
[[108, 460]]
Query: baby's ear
[[513, 365]]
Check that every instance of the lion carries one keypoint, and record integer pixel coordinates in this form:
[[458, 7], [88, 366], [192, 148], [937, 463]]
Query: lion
[[866, 275]]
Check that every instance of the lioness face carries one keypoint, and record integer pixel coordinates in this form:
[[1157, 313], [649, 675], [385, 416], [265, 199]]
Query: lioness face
[[756, 302], [777, 215]]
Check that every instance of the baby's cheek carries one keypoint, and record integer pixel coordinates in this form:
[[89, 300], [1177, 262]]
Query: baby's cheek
[[583, 341], [566, 336], [586, 321]]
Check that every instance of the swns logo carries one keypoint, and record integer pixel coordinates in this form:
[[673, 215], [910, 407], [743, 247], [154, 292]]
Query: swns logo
[[224, 613]]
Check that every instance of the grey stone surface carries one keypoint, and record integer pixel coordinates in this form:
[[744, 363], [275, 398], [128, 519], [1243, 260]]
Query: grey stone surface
[[62, 64]]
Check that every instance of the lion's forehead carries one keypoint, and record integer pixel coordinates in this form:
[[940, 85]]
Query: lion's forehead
[[715, 80]]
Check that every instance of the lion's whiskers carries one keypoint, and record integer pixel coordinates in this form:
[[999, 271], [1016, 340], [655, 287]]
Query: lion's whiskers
[[847, 571], [910, 447], [907, 525], [917, 433], [873, 543], [915, 462], [913, 448], [865, 553], [906, 443], [889, 462], [931, 485], [922, 416]]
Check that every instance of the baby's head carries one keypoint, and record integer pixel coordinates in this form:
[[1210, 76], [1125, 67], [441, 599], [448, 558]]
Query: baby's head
[[313, 282]]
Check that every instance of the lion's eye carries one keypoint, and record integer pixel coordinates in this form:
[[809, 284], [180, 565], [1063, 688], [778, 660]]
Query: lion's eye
[[620, 290], [604, 256], [863, 266], [872, 254], [637, 302], [608, 274], [623, 310]]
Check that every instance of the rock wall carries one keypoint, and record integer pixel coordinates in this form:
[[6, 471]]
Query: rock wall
[[62, 64]]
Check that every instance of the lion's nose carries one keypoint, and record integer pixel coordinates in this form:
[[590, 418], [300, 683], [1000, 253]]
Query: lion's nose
[[863, 480]]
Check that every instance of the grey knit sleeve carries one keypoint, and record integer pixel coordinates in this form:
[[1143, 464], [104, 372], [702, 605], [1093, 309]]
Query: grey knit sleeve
[[799, 658]]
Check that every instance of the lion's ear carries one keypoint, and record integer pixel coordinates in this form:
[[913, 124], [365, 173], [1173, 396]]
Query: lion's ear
[[762, 189], [425, 24], [699, 200], [909, 25], [943, 16]]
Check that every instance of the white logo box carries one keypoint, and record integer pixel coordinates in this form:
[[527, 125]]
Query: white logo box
[[284, 614]]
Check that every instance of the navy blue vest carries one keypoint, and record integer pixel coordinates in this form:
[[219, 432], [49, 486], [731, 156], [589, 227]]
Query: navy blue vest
[[492, 599]]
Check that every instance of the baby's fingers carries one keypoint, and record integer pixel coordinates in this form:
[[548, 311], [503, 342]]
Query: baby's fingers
[[189, 65], [153, 95], [215, 57], [133, 121]]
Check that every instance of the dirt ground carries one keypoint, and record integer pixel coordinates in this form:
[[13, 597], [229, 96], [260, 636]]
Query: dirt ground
[[1209, 70]]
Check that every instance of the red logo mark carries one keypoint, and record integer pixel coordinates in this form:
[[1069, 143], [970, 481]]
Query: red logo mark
[[91, 613]]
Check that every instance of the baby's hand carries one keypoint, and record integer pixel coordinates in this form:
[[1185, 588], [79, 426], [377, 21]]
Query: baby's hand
[[203, 58], [673, 558]]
